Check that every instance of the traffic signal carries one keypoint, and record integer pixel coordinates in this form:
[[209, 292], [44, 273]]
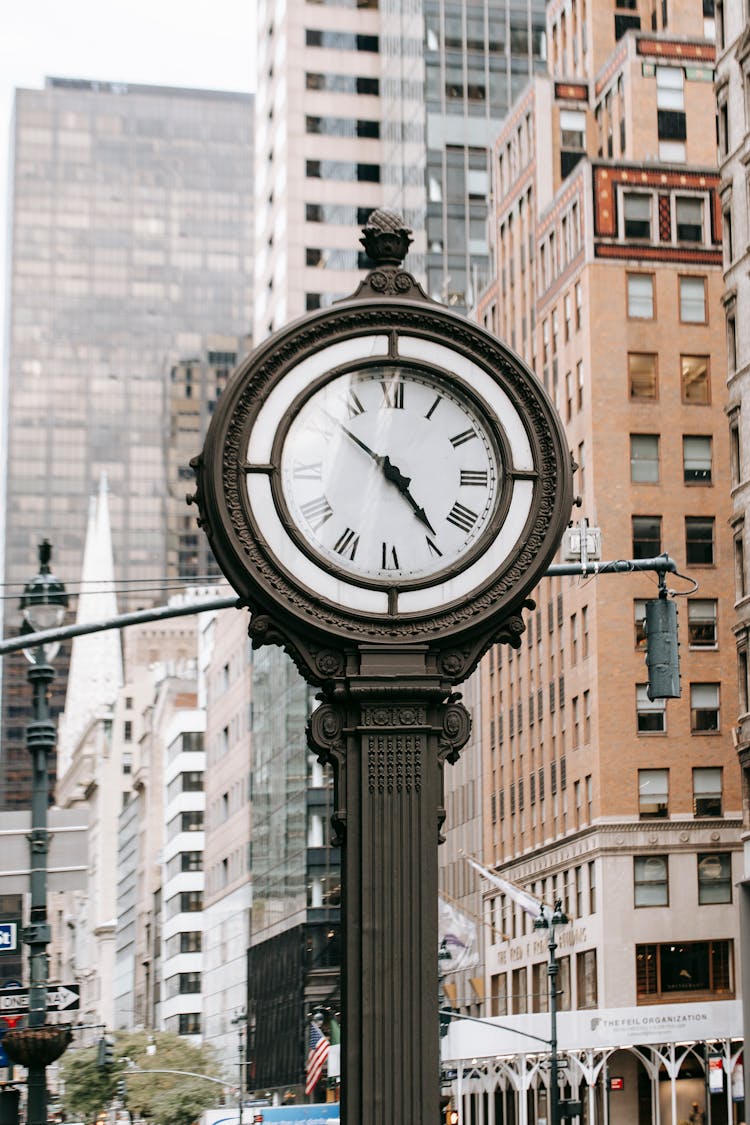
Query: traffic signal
[[122, 1089], [105, 1056], [451, 1116], [662, 649]]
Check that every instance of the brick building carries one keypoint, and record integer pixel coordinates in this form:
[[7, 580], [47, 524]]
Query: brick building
[[607, 241]]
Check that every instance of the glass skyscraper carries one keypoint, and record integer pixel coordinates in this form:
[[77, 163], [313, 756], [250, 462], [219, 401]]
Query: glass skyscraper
[[131, 225]]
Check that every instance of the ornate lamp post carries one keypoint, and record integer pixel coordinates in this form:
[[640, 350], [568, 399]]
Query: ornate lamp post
[[43, 605], [558, 918]]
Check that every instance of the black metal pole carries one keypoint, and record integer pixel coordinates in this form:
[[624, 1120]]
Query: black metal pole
[[554, 1099], [40, 741]]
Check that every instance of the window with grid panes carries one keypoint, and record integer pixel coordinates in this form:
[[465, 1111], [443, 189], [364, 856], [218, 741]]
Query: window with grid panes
[[653, 794], [714, 878], [693, 300], [704, 708], [689, 218], [701, 615], [695, 379], [696, 458], [707, 791], [637, 215], [699, 540], [644, 458], [646, 536], [640, 296], [651, 715], [642, 375], [650, 880]]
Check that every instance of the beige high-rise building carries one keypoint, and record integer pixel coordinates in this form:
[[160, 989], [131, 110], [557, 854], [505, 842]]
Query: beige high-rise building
[[607, 240], [733, 105]]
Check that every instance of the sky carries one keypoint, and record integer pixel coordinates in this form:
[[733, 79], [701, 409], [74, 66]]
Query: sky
[[208, 44]]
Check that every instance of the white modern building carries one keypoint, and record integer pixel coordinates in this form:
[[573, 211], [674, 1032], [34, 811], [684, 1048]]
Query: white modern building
[[182, 873]]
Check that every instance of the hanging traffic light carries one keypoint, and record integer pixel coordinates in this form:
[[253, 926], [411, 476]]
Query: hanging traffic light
[[105, 1056], [662, 649]]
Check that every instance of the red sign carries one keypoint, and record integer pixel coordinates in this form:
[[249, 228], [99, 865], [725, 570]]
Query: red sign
[[617, 1083]]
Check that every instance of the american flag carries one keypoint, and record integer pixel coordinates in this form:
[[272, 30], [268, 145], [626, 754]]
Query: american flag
[[316, 1058]]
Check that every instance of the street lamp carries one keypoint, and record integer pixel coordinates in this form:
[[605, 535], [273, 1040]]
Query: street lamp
[[549, 923], [43, 605], [240, 1022]]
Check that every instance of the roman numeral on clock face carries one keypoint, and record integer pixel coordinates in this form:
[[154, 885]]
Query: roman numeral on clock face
[[463, 437], [462, 517], [389, 558], [346, 544], [474, 476], [316, 512], [352, 404], [393, 393]]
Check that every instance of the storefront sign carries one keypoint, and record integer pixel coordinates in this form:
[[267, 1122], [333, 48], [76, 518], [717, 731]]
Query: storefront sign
[[597, 1028]]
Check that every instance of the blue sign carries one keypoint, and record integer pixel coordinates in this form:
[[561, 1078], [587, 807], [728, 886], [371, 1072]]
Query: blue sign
[[8, 937]]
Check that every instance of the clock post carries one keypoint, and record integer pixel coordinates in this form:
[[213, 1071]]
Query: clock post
[[384, 483]]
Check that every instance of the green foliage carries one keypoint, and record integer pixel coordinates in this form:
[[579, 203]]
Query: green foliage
[[165, 1099]]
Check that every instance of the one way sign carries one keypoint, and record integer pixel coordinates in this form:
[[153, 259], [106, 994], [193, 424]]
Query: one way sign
[[62, 998]]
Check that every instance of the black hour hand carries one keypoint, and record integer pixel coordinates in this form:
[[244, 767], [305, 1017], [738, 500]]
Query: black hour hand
[[395, 476]]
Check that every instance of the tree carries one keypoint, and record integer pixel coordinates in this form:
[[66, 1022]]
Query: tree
[[166, 1099]]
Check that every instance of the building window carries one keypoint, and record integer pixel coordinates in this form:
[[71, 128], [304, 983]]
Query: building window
[[696, 459], [707, 791], [702, 623], [699, 540], [639, 608], [689, 216], [670, 87], [646, 536], [693, 300], [592, 886], [728, 240], [579, 304], [704, 708], [732, 339], [637, 214], [735, 450], [674, 968], [519, 993], [653, 794], [642, 375], [127, 732], [499, 994], [651, 715], [641, 296], [696, 386], [650, 880], [714, 878], [588, 993], [739, 563], [189, 1023], [644, 458]]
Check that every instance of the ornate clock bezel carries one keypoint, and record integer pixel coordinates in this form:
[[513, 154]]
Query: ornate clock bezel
[[251, 564]]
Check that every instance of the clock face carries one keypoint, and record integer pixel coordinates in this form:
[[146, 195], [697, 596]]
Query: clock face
[[390, 473], [399, 481]]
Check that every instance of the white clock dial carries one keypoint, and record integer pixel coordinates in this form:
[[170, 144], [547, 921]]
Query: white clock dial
[[389, 473]]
